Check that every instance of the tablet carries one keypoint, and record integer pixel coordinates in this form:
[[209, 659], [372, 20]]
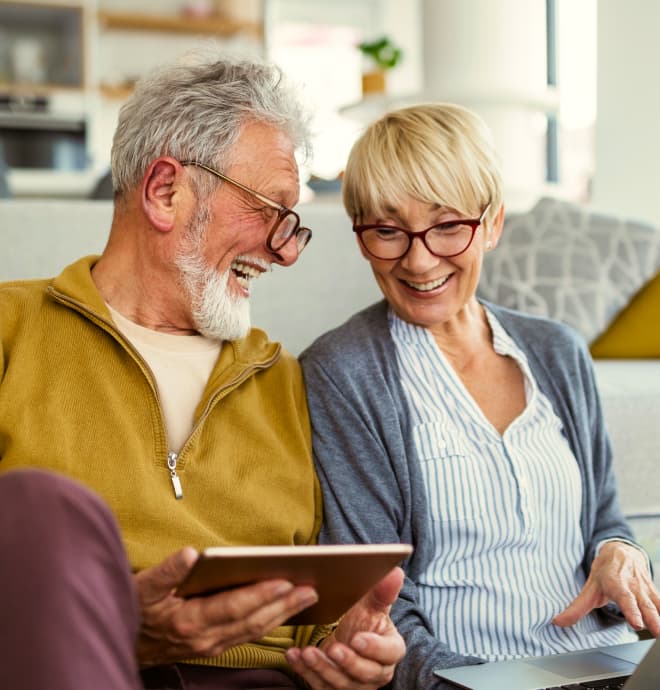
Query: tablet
[[340, 573]]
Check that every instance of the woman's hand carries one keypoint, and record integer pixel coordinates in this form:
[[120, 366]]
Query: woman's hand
[[620, 574], [174, 628], [363, 650]]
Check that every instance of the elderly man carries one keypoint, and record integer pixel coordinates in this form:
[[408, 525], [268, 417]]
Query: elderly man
[[136, 376]]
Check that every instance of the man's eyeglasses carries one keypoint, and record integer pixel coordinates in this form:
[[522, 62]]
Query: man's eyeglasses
[[444, 240], [287, 221]]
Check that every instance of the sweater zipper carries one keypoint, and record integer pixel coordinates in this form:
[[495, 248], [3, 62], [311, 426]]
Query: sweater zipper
[[172, 457]]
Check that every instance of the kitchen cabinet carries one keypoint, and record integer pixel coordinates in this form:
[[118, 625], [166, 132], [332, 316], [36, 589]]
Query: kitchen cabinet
[[41, 46], [43, 82], [66, 67]]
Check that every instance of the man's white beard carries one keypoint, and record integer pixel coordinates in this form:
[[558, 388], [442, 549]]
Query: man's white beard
[[216, 313]]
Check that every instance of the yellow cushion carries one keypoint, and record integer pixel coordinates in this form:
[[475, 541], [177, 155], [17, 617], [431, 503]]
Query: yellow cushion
[[635, 331]]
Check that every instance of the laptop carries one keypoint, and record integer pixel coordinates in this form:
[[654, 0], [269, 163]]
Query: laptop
[[635, 666]]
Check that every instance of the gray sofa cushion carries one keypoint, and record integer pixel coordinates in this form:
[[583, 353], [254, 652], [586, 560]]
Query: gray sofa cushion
[[565, 261]]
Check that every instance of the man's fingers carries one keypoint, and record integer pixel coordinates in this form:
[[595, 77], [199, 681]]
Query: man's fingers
[[256, 607], [175, 628], [340, 668], [364, 648], [237, 616], [155, 583], [386, 651], [384, 594], [306, 664]]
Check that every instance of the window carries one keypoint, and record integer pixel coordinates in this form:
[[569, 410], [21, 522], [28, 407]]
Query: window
[[576, 74], [316, 44]]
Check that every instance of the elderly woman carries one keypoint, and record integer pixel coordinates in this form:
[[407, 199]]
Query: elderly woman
[[471, 431]]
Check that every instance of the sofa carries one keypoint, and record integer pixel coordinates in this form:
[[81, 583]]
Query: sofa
[[332, 281]]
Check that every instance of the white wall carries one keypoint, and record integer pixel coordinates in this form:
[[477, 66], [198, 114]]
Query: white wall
[[491, 57], [628, 121]]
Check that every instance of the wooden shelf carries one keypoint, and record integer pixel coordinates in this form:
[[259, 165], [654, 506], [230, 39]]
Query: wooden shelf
[[215, 25], [116, 91], [28, 89]]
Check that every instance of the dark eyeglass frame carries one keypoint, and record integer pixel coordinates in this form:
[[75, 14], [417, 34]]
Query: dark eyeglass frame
[[473, 223], [302, 234]]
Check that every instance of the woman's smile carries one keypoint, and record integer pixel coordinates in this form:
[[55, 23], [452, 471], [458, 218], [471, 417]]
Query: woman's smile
[[426, 286]]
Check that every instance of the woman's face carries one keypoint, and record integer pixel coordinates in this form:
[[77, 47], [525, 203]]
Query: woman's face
[[422, 288]]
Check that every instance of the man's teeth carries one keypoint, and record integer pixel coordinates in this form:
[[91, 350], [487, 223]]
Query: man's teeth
[[244, 272], [431, 285]]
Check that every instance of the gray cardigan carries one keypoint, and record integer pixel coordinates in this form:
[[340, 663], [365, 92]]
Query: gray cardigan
[[372, 484]]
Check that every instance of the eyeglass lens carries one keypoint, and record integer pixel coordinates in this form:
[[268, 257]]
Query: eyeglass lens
[[288, 224]]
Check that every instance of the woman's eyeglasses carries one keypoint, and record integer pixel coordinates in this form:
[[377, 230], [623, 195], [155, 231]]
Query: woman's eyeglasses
[[446, 239]]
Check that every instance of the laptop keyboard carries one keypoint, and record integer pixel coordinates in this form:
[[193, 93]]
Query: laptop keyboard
[[607, 684]]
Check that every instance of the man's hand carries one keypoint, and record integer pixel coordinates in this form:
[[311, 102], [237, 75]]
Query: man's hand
[[620, 574], [174, 628], [363, 650]]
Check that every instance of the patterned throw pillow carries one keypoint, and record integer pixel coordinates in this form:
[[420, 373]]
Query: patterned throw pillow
[[564, 261]]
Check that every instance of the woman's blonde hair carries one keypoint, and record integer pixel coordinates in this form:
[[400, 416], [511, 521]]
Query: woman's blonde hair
[[438, 153]]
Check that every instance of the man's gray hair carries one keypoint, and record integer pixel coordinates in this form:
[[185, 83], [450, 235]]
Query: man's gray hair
[[195, 110]]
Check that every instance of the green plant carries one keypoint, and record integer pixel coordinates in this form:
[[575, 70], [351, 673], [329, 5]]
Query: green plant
[[382, 51]]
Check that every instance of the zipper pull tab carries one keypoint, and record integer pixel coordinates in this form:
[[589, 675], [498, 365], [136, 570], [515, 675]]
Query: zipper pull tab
[[176, 482]]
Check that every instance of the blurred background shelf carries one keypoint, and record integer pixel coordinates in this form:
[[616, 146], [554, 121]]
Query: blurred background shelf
[[213, 25], [116, 91]]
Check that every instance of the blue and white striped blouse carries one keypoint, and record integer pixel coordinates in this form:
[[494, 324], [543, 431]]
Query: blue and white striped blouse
[[505, 508]]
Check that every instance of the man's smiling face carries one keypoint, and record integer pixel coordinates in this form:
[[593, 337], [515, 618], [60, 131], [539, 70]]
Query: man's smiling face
[[224, 246]]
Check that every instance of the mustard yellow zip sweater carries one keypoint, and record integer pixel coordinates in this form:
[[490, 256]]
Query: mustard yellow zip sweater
[[77, 398]]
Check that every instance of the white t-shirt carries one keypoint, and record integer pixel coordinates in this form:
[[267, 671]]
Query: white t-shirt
[[181, 365]]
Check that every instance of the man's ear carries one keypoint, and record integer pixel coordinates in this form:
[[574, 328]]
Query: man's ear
[[159, 187], [495, 229]]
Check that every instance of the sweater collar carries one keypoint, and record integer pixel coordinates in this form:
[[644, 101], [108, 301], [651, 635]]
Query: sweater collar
[[76, 286]]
